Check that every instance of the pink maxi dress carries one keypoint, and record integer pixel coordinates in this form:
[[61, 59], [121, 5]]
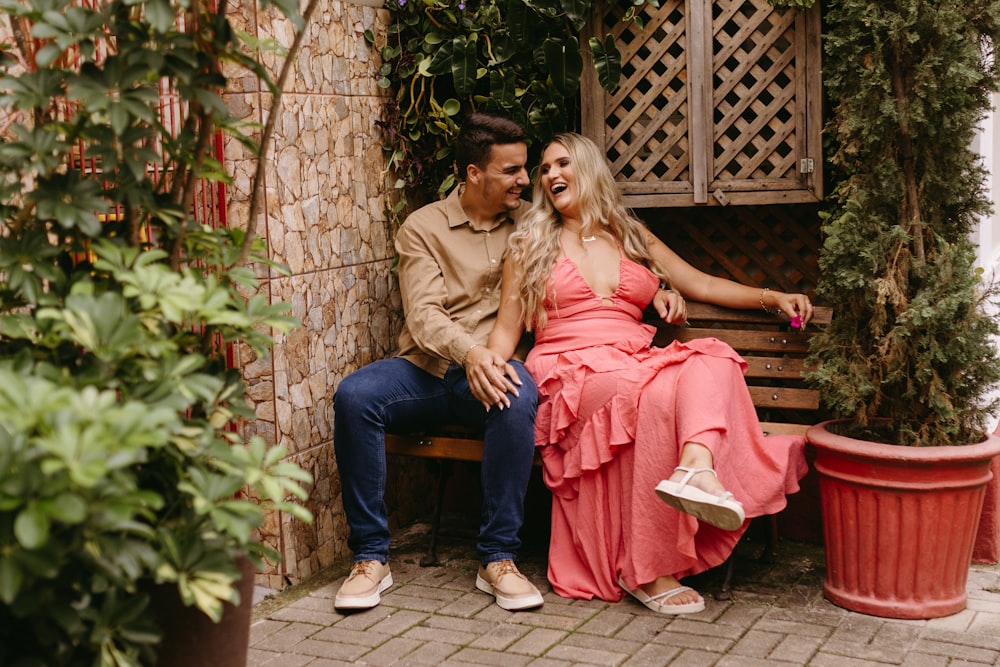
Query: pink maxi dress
[[613, 415]]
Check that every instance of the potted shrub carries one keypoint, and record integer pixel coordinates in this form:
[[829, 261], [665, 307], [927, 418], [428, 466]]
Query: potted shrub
[[908, 363], [122, 469]]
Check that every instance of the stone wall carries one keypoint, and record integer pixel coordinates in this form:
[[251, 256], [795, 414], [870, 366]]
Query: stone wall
[[322, 216]]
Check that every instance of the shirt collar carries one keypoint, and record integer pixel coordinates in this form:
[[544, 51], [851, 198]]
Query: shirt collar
[[456, 214]]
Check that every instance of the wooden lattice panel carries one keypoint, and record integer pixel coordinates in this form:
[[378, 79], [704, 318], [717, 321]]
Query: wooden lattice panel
[[647, 117], [718, 102], [754, 92]]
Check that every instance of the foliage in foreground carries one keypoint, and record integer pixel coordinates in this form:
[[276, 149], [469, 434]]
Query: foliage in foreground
[[120, 468]]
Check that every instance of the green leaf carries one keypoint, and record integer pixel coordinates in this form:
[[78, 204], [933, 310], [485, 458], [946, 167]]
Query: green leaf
[[519, 18], [207, 591], [502, 89], [577, 11], [607, 62], [48, 54], [440, 63], [71, 202], [290, 8], [160, 14], [463, 65], [10, 579], [565, 64], [67, 507], [447, 184], [119, 117], [31, 527], [504, 48]]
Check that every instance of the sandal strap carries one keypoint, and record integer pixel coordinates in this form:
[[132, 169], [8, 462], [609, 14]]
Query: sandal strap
[[727, 495], [691, 472], [666, 595]]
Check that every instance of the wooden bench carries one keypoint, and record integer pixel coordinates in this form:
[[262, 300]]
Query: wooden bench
[[775, 355]]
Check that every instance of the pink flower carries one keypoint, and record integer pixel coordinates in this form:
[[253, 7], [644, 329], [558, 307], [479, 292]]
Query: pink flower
[[796, 322]]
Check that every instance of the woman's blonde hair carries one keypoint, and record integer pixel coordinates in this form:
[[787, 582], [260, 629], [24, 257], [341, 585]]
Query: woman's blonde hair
[[534, 246]]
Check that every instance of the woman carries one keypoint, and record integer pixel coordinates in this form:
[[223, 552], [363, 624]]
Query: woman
[[620, 423]]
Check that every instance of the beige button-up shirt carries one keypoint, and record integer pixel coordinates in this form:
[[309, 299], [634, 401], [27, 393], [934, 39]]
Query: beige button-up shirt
[[449, 278]]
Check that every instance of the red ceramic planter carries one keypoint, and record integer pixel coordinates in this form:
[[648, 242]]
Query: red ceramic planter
[[899, 523]]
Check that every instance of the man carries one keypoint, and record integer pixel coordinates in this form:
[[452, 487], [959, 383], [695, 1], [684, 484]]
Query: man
[[450, 262]]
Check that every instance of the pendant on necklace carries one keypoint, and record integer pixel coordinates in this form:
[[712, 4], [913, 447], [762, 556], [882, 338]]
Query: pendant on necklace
[[588, 239]]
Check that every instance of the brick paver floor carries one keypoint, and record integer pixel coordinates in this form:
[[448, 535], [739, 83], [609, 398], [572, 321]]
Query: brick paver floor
[[777, 616]]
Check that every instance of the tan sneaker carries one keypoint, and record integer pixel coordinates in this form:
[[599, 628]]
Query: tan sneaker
[[511, 589], [364, 585]]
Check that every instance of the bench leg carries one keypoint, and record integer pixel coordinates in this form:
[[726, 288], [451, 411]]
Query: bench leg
[[444, 472], [726, 591], [766, 556], [771, 540]]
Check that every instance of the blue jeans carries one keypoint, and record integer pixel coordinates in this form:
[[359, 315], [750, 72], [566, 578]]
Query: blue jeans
[[395, 395]]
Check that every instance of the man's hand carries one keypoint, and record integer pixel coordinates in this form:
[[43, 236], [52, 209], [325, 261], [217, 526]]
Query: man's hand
[[670, 306], [490, 377]]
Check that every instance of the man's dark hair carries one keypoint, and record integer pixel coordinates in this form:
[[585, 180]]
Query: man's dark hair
[[479, 133]]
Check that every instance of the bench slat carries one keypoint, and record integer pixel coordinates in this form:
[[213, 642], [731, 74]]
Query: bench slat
[[782, 342], [435, 446], [784, 428], [784, 398], [778, 368], [697, 311]]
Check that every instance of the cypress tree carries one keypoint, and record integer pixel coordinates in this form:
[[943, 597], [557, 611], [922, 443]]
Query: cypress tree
[[912, 340]]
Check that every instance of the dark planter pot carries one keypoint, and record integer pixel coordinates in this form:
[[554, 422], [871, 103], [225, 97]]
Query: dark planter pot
[[191, 639], [899, 523]]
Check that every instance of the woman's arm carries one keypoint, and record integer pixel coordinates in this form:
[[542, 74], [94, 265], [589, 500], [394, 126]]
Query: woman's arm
[[489, 374], [700, 286], [506, 333]]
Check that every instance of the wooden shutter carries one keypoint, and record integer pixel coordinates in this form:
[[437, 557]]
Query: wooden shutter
[[719, 103]]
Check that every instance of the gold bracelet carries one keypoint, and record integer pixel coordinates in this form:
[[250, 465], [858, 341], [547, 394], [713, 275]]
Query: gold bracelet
[[466, 357], [766, 309]]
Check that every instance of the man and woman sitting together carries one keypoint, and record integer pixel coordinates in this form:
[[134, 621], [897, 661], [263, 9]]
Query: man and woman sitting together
[[654, 456]]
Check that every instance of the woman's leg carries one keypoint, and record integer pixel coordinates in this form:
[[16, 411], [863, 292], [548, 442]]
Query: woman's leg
[[694, 456]]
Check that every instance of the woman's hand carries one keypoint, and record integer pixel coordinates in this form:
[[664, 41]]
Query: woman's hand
[[797, 307], [490, 377], [670, 306]]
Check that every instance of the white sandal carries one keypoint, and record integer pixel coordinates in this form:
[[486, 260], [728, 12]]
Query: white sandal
[[655, 602], [722, 511]]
